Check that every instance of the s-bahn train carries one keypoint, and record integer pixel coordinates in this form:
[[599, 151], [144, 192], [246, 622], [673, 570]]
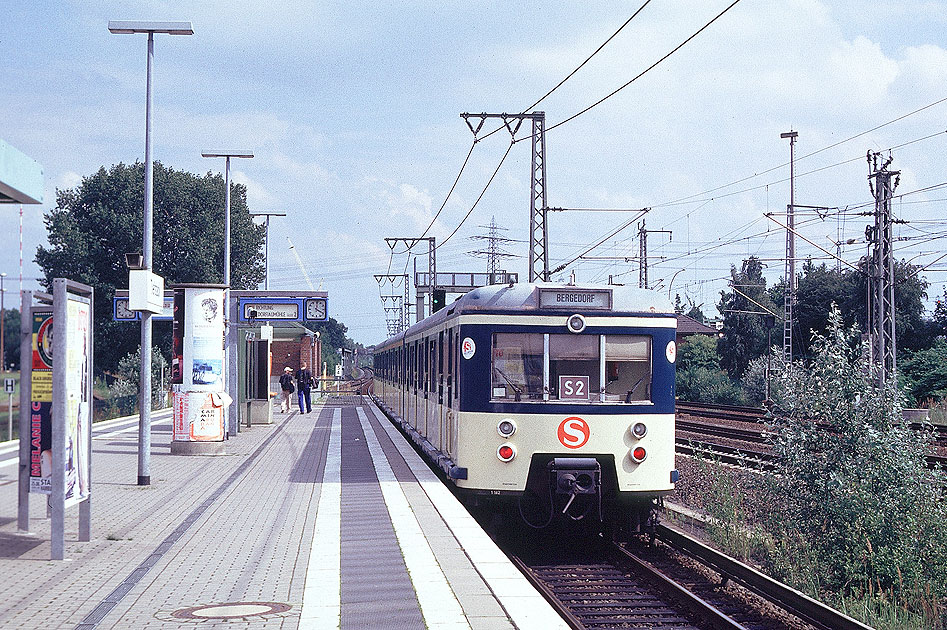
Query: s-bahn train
[[554, 401]]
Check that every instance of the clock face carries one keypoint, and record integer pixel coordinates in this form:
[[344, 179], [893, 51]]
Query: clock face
[[316, 309]]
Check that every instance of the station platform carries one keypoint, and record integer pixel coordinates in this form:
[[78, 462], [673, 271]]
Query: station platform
[[321, 520]]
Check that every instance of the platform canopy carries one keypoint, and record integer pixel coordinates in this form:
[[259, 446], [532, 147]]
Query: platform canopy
[[21, 177]]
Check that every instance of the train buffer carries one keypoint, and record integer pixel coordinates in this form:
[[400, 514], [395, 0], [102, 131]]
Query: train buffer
[[321, 520]]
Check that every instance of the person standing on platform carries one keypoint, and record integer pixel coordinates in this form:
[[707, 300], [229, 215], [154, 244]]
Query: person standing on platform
[[304, 385], [287, 388]]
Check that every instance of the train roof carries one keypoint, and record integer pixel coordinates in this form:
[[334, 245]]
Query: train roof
[[526, 297]]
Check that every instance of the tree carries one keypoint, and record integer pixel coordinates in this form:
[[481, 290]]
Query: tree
[[333, 336], [924, 373], [11, 338], [744, 335], [699, 377], [698, 351], [96, 223], [912, 331]]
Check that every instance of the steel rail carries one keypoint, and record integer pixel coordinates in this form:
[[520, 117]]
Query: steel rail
[[561, 609], [704, 609], [796, 602]]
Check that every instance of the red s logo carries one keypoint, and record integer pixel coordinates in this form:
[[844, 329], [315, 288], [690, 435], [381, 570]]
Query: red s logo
[[574, 432]]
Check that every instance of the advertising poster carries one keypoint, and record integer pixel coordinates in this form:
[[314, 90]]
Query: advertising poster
[[198, 417], [204, 339], [41, 404], [207, 362], [78, 405]]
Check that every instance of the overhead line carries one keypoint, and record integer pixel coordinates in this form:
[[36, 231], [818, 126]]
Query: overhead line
[[645, 71]]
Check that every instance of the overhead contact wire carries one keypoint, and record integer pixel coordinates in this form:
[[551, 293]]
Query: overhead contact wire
[[646, 70]]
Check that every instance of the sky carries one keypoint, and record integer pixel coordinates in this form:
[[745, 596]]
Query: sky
[[352, 110]]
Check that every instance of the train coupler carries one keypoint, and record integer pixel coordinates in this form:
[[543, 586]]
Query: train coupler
[[574, 477]]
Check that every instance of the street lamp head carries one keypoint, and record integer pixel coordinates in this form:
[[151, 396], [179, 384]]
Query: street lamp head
[[128, 27], [223, 154], [268, 213], [134, 260]]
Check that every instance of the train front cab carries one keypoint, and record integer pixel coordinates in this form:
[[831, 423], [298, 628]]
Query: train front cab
[[569, 421]]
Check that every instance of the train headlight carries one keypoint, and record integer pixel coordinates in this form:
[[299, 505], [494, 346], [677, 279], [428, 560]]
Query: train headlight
[[576, 323], [506, 428], [506, 452], [638, 455], [639, 430]]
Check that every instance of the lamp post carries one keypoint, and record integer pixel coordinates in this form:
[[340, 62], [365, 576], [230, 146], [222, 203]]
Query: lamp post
[[230, 378], [266, 246], [126, 27], [3, 354]]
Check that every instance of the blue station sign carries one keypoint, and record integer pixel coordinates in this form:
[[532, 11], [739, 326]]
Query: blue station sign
[[285, 309]]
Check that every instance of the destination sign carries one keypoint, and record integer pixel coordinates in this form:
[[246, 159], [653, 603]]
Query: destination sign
[[271, 310], [122, 313], [575, 299]]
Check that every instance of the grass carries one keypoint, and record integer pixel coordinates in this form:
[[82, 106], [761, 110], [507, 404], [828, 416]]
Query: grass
[[732, 500]]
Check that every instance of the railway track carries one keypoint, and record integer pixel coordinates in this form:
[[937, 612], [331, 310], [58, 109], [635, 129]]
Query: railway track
[[678, 583], [738, 435]]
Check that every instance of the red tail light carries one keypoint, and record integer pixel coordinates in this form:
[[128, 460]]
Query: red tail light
[[506, 452], [639, 454]]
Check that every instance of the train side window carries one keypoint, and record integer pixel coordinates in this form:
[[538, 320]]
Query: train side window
[[457, 364], [628, 368], [574, 372], [450, 364], [517, 372], [432, 366], [440, 367]]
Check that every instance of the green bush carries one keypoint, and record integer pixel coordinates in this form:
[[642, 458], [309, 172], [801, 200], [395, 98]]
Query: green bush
[[707, 385], [853, 510]]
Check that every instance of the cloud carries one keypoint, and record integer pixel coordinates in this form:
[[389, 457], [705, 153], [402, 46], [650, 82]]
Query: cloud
[[257, 194], [862, 70], [409, 201]]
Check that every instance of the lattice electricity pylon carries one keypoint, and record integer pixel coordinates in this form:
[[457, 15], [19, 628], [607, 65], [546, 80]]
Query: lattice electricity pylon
[[538, 232], [394, 305], [493, 253], [431, 265], [881, 269]]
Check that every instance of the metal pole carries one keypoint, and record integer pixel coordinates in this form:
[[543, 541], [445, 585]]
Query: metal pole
[[57, 499], [227, 337], [10, 416], [26, 375], [266, 256], [790, 296], [227, 223], [144, 397], [3, 347]]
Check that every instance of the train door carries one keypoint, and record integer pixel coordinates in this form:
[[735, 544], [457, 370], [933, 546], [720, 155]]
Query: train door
[[449, 392], [416, 384], [439, 413]]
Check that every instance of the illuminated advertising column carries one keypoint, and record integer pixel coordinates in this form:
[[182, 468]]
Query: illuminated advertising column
[[198, 369]]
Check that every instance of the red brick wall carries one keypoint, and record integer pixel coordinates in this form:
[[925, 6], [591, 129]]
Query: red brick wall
[[293, 353]]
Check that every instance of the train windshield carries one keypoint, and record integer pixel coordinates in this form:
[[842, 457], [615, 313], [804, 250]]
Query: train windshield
[[517, 366], [571, 368], [628, 368]]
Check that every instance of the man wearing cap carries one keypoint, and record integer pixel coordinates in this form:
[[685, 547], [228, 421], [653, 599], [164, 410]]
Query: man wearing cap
[[287, 387]]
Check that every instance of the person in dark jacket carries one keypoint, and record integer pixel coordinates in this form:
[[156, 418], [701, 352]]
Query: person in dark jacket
[[286, 389], [304, 385]]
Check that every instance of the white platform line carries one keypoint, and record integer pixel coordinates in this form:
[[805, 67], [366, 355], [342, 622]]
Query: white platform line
[[439, 605], [322, 594], [527, 609], [164, 417]]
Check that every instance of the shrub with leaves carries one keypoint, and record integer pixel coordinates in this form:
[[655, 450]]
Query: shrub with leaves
[[129, 370], [853, 497]]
